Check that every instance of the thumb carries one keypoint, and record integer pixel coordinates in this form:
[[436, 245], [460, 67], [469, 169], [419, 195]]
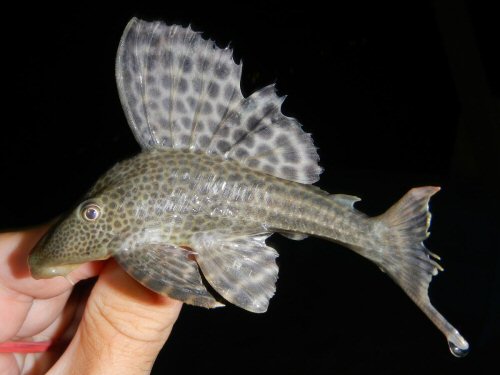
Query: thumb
[[122, 330]]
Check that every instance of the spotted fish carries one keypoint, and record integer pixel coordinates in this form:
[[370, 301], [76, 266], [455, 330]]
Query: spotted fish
[[218, 174]]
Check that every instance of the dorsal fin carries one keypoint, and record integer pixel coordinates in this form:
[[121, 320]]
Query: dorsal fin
[[181, 91]]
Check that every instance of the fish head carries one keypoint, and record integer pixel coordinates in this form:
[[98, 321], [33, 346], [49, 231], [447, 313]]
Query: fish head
[[82, 236]]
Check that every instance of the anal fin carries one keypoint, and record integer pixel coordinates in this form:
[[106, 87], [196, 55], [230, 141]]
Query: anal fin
[[241, 269]]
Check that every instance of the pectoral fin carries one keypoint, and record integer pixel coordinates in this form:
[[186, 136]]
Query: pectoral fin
[[241, 269], [166, 269]]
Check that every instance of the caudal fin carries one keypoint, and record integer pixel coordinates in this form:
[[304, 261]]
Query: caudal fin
[[403, 256]]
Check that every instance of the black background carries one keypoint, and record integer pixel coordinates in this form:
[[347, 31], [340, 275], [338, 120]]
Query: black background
[[384, 98]]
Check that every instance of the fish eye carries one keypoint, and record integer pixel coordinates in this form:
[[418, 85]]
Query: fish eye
[[91, 212]]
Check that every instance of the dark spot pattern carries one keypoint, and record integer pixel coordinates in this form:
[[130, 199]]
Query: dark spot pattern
[[187, 64], [222, 70], [204, 141], [167, 59], [166, 106], [223, 146], [207, 108], [186, 122], [213, 90], [154, 92], [252, 123], [203, 64], [153, 105], [191, 102], [241, 153], [238, 135], [180, 107], [183, 86]]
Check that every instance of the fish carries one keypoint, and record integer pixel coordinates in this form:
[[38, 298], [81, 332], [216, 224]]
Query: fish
[[188, 217]]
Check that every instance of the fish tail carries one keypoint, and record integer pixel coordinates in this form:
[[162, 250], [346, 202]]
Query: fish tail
[[400, 252]]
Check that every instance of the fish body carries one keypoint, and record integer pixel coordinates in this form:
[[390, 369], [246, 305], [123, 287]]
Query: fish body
[[218, 174], [187, 192], [174, 195]]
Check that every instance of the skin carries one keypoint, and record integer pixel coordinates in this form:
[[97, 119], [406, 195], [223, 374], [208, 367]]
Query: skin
[[118, 309]]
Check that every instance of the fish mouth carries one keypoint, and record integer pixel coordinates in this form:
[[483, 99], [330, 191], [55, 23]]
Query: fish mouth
[[47, 272]]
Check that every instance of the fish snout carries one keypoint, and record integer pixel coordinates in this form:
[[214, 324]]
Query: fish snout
[[40, 266]]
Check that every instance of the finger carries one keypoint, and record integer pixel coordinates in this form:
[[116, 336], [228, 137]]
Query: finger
[[42, 314], [60, 333], [28, 306], [123, 328], [14, 271], [8, 364]]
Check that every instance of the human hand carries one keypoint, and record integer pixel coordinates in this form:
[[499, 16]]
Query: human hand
[[122, 330]]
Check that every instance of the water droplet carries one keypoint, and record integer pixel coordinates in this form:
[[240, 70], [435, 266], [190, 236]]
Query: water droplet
[[457, 351]]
